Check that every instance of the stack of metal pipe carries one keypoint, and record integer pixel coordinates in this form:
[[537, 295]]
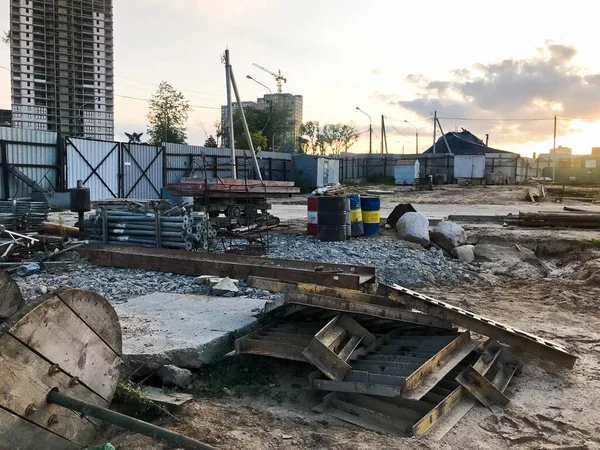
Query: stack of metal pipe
[[23, 215], [188, 231]]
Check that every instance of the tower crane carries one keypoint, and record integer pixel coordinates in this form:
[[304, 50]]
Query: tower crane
[[278, 77]]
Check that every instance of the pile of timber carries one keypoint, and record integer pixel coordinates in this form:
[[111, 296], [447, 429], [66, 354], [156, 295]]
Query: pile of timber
[[556, 219], [227, 187], [393, 362]]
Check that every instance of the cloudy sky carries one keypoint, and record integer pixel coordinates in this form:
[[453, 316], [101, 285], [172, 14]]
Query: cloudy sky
[[504, 68]]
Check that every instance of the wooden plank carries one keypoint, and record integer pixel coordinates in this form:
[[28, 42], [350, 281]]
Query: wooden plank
[[17, 433], [436, 368], [342, 305], [356, 329], [266, 348], [54, 331], [11, 299], [97, 313], [452, 408], [481, 388], [169, 399], [196, 263], [517, 338], [25, 383]]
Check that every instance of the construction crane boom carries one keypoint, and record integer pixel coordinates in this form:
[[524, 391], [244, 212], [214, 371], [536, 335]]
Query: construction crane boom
[[278, 76]]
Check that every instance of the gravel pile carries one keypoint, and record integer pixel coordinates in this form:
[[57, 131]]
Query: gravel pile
[[118, 285], [395, 260]]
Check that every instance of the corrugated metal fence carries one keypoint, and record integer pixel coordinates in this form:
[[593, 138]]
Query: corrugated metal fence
[[31, 155]]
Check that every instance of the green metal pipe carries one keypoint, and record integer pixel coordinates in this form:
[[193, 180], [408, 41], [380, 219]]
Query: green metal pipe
[[129, 423]]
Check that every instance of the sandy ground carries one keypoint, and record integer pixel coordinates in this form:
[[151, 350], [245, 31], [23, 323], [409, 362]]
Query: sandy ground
[[550, 407]]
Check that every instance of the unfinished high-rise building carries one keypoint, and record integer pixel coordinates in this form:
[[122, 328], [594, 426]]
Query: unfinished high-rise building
[[62, 66]]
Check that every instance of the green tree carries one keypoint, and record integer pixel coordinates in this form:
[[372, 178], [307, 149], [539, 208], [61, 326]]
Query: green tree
[[349, 136], [168, 114], [310, 131], [210, 142]]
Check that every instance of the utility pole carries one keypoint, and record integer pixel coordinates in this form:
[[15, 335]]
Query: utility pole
[[230, 114], [487, 139], [554, 132], [434, 129], [383, 136]]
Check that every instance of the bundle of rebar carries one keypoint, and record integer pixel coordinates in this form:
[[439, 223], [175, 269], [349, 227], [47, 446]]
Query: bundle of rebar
[[23, 215], [187, 231]]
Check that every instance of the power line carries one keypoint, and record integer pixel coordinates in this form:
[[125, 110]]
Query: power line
[[183, 89], [146, 100]]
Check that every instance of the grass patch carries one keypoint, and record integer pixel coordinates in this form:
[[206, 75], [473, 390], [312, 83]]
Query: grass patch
[[234, 377], [591, 243]]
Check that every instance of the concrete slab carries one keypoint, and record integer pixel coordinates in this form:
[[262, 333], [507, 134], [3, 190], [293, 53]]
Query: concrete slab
[[181, 329]]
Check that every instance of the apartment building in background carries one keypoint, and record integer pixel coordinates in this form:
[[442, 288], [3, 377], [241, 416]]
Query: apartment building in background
[[292, 103], [62, 66]]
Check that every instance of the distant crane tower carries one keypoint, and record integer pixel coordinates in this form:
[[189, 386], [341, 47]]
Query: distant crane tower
[[278, 77]]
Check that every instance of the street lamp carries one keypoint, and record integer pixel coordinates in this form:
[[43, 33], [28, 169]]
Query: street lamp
[[370, 130], [416, 136], [270, 112], [80, 114]]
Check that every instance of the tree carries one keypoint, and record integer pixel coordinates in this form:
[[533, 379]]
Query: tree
[[169, 111], [309, 131], [349, 136], [210, 142]]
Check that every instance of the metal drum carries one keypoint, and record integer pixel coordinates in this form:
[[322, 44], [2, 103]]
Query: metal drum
[[370, 214], [311, 227], [356, 219], [331, 218], [348, 223]]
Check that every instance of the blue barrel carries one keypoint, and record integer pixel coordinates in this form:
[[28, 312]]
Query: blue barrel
[[356, 219], [370, 214]]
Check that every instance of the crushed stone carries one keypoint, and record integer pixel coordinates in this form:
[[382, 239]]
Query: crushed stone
[[395, 261]]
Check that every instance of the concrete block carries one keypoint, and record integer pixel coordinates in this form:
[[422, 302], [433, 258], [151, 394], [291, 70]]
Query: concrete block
[[413, 227], [224, 287], [182, 329]]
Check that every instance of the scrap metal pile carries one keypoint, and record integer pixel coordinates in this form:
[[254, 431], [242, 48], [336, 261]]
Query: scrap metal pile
[[386, 358], [395, 362], [23, 215]]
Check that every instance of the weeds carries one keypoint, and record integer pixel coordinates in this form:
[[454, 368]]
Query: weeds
[[591, 243], [235, 377]]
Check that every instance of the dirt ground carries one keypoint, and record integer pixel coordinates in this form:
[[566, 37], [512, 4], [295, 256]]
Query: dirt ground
[[550, 407]]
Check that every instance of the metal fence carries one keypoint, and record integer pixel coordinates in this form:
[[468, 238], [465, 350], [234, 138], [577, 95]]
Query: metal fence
[[28, 158], [184, 160]]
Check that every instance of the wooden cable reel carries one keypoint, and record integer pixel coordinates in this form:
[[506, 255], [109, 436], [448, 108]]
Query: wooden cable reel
[[70, 341]]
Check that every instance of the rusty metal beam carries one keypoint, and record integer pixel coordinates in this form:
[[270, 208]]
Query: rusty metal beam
[[340, 304], [481, 388], [235, 266], [438, 366], [519, 339]]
